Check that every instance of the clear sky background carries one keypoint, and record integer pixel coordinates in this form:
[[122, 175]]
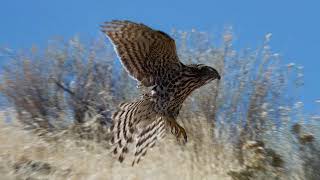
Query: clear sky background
[[295, 25]]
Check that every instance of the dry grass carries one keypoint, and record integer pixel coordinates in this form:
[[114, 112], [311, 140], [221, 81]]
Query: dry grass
[[63, 155], [67, 159]]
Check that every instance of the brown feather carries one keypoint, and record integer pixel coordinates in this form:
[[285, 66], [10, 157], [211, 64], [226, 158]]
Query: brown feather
[[140, 48]]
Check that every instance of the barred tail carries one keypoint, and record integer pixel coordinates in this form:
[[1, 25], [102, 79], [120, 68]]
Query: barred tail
[[135, 123], [147, 138]]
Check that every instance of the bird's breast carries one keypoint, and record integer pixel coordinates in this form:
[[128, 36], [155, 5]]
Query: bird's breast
[[166, 101]]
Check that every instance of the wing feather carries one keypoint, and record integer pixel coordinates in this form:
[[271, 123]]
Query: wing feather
[[140, 48]]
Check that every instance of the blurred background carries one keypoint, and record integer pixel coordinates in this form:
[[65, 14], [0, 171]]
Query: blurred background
[[61, 81], [293, 24]]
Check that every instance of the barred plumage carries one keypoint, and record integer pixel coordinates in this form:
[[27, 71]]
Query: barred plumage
[[136, 43], [150, 57]]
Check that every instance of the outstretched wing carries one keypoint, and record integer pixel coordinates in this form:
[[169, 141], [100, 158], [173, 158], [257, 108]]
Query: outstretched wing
[[141, 49]]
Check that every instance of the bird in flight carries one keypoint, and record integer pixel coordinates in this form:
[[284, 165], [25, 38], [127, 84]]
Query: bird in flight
[[150, 57]]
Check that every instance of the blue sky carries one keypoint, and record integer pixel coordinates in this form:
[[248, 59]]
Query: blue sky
[[294, 24]]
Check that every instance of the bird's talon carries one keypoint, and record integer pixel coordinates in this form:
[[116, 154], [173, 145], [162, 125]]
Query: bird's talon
[[178, 131], [181, 135]]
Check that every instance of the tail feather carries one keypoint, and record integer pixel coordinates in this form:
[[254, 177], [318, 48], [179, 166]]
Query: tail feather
[[136, 123], [148, 137], [122, 132]]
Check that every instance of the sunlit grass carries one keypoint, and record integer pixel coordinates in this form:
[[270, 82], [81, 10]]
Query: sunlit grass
[[80, 159]]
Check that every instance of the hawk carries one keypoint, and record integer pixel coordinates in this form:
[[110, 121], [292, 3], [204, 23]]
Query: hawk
[[150, 57]]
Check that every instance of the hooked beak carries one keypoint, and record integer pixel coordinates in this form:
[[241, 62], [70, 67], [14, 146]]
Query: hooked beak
[[214, 74], [218, 76]]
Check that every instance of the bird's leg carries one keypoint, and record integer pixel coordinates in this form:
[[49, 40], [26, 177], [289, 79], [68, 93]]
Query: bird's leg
[[177, 130]]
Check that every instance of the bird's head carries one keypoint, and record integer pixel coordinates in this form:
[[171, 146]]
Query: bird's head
[[194, 76], [202, 74]]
